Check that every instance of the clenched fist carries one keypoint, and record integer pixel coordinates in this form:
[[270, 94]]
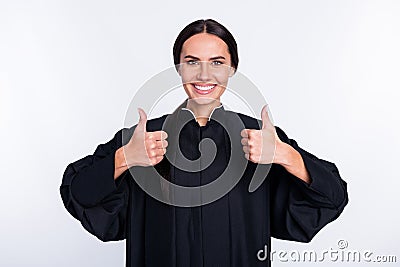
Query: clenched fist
[[145, 148], [259, 145]]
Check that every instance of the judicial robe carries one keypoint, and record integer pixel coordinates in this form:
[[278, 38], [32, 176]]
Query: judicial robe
[[227, 232]]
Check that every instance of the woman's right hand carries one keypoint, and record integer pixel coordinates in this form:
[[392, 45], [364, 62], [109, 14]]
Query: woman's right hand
[[143, 149]]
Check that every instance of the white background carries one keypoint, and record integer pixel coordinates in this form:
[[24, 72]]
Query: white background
[[68, 70]]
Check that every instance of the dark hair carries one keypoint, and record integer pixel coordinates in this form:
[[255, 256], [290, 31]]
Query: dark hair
[[207, 26]]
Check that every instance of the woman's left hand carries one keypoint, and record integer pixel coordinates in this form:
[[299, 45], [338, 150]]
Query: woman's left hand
[[259, 145]]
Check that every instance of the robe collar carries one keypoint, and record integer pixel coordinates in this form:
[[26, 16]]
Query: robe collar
[[219, 109]]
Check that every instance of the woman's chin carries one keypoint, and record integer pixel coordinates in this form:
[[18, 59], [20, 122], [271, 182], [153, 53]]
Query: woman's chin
[[203, 100]]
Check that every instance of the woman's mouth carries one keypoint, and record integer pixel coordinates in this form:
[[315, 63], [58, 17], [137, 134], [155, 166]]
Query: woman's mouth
[[204, 89]]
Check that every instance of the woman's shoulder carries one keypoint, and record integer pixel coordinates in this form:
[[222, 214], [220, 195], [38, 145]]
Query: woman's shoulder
[[254, 123], [124, 134], [248, 121]]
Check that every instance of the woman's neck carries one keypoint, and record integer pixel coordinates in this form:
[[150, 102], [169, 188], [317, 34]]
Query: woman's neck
[[202, 112]]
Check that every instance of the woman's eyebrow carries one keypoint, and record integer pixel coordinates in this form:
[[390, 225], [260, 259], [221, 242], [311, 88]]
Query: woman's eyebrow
[[193, 57], [211, 58], [218, 57]]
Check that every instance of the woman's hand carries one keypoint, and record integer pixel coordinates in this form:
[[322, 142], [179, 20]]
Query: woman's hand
[[259, 145], [143, 149]]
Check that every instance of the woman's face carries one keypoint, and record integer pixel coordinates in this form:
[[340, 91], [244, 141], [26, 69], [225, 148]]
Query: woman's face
[[205, 67]]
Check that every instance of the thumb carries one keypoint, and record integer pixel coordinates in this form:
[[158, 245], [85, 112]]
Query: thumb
[[266, 122], [141, 126]]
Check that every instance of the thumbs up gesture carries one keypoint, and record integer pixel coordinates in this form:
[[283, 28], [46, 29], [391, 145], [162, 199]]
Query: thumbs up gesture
[[259, 145], [145, 148]]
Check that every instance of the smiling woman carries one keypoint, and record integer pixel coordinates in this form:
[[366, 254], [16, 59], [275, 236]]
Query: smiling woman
[[207, 56], [300, 195]]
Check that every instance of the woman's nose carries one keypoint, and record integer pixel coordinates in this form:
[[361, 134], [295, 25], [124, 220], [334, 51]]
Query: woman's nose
[[204, 72]]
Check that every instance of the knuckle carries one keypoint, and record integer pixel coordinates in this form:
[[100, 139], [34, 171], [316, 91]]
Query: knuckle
[[251, 143], [253, 157]]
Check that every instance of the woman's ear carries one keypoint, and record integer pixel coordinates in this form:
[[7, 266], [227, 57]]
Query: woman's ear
[[232, 71], [178, 69]]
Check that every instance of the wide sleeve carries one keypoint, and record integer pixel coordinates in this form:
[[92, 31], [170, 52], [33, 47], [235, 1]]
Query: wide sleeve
[[299, 210], [90, 193]]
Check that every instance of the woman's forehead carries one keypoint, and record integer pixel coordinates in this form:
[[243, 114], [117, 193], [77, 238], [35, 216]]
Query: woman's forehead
[[204, 45]]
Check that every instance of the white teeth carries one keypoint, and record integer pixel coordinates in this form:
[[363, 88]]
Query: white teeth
[[204, 88]]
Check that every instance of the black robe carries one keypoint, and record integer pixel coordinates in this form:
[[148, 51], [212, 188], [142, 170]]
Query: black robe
[[230, 231]]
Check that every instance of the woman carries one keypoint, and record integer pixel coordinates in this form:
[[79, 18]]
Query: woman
[[301, 194]]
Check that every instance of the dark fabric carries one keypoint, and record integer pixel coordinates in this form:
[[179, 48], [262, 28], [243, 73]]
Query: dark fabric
[[227, 232]]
